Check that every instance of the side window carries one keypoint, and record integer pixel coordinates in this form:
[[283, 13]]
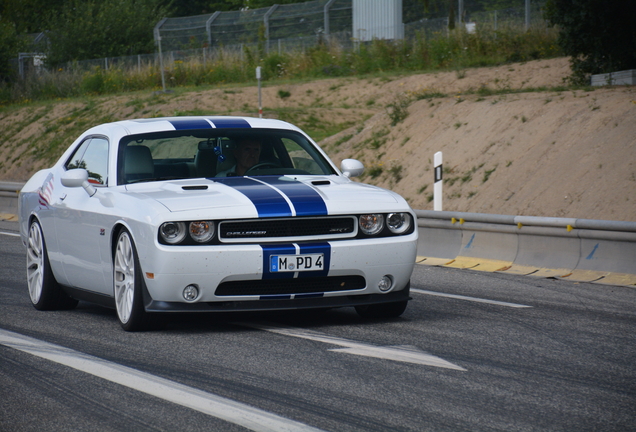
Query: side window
[[300, 158], [92, 155], [76, 160]]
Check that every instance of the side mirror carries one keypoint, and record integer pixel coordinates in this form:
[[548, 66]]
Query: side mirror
[[78, 178], [351, 167]]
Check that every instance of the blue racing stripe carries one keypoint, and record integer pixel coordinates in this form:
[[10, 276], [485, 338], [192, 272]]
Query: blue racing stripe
[[274, 250], [306, 200], [230, 123], [184, 124], [275, 297], [268, 202], [317, 248]]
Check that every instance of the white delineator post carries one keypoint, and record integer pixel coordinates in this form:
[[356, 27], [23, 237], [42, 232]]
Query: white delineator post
[[260, 104], [437, 187]]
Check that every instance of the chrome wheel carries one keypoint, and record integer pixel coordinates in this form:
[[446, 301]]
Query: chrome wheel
[[35, 262], [129, 285], [44, 291], [124, 269]]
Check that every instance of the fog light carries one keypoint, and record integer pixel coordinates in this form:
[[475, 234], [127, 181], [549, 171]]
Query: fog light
[[385, 283], [190, 293]]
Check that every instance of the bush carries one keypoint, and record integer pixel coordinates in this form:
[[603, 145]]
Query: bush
[[598, 35], [398, 109], [93, 82]]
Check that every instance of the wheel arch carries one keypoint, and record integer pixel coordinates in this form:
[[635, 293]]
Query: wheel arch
[[117, 229], [35, 217], [113, 239], [32, 217]]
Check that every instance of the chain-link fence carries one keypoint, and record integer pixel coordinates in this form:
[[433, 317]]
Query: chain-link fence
[[264, 25], [288, 28], [494, 20]]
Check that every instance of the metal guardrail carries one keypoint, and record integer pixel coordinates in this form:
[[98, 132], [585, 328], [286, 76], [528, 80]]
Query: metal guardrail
[[10, 189]]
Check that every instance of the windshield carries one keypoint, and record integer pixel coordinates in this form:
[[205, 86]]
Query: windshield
[[217, 153]]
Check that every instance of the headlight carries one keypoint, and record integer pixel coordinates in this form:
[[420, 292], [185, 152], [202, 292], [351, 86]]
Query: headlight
[[172, 232], [202, 231], [398, 223], [371, 224]]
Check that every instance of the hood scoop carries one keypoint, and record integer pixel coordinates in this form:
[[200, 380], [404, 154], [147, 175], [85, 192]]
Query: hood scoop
[[195, 187]]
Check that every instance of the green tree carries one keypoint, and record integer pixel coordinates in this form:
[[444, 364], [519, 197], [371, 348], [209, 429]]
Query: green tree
[[89, 29], [257, 4], [182, 8], [9, 48], [417, 9], [490, 5], [598, 35], [29, 16]]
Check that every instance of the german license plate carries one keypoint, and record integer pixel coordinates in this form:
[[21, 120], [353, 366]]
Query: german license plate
[[296, 263]]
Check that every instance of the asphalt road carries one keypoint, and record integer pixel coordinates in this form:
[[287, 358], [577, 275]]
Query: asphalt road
[[501, 353]]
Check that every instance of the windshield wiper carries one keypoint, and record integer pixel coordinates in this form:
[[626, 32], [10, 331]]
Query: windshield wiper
[[150, 179]]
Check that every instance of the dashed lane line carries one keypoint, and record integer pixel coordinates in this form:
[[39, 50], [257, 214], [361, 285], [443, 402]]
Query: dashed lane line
[[9, 234], [473, 299]]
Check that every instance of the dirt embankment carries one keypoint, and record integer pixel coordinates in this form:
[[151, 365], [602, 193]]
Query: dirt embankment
[[537, 153]]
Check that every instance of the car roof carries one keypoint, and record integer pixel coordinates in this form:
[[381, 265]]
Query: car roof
[[160, 124]]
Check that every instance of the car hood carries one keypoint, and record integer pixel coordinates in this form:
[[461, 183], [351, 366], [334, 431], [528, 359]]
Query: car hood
[[272, 196]]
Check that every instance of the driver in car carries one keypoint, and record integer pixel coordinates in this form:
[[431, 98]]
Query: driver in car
[[247, 154]]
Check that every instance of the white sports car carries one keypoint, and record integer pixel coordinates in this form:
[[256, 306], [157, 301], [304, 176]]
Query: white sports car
[[212, 214]]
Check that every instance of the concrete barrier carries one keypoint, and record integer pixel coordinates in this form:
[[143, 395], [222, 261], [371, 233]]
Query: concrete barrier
[[583, 250], [441, 243]]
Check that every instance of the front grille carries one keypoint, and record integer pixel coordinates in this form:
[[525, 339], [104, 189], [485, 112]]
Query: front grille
[[333, 227], [291, 286]]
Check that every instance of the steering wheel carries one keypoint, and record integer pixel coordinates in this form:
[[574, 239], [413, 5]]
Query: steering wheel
[[262, 165]]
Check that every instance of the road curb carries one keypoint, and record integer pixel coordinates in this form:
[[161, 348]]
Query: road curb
[[8, 217]]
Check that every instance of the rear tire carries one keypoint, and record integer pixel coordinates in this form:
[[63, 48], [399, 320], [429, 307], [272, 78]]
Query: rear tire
[[44, 291], [128, 285]]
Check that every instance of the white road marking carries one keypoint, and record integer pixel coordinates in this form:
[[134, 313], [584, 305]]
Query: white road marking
[[397, 353], [10, 234], [207, 403], [473, 299]]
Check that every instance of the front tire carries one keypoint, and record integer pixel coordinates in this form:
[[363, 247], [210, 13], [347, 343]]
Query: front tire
[[44, 291], [128, 285], [382, 310]]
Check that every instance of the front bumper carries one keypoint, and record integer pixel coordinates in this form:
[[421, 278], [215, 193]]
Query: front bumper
[[168, 270], [274, 305]]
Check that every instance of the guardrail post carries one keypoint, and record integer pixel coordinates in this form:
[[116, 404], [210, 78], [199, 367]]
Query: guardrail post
[[437, 187]]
